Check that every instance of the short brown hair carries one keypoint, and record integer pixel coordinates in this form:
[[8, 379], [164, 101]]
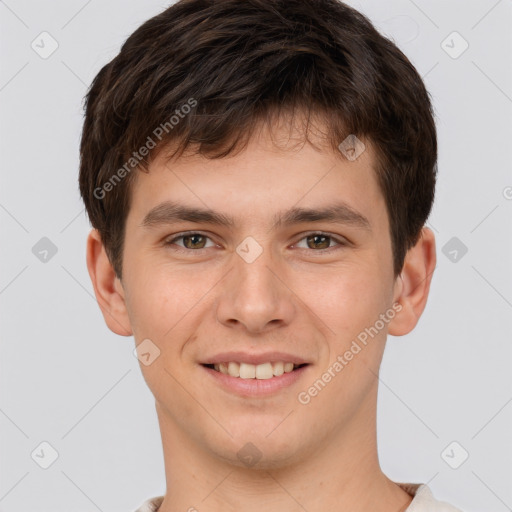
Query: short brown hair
[[238, 63]]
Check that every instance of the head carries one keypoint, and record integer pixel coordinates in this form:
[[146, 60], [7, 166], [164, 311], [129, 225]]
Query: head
[[240, 108]]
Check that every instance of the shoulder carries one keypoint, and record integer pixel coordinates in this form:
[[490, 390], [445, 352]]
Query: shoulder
[[424, 501], [151, 505]]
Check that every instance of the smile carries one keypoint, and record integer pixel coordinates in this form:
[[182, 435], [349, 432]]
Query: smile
[[262, 371]]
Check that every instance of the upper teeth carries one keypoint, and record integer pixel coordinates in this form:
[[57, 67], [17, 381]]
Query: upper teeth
[[251, 371]]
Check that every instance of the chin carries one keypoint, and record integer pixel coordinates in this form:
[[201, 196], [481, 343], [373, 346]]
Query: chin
[[259, 451]]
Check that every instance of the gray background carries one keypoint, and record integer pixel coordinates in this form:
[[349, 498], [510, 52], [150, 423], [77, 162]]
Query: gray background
[[67, 380]]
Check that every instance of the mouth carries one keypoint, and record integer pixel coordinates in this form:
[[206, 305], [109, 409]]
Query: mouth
[[262, 371]]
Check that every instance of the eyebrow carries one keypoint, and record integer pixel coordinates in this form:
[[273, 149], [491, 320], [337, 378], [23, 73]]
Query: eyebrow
[[170, 212]]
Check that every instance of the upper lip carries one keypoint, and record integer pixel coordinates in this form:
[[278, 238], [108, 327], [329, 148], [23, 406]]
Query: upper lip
[[252, 358]]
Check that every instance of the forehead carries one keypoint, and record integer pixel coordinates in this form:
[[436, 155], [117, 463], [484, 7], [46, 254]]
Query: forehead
[[283, 183]]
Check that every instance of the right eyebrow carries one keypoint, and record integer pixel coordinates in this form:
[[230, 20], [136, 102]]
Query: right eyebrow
[[170, 212]]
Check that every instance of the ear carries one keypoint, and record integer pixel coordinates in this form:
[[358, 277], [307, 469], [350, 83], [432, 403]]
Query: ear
[[107, 286], [413, 284]]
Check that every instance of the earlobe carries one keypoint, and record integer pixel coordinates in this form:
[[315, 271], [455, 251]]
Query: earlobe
[[107, 287], [413, 285]]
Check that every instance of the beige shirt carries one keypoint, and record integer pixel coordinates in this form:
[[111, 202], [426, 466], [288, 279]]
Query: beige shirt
[[423, 501]]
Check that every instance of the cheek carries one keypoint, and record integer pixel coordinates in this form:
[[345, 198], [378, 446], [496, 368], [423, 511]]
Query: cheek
[[347, 299], [163, 299], [350, 305]]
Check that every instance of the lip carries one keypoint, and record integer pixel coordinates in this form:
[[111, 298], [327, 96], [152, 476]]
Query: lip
[[246, 357], [255, 388]]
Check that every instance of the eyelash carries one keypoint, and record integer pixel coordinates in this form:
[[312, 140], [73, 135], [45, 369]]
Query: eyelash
[[341, 243]]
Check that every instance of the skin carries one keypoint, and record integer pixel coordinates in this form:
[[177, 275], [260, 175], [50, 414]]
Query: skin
[[301, 297]]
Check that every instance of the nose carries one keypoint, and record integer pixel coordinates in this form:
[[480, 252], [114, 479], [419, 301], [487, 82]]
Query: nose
[[255, 296]]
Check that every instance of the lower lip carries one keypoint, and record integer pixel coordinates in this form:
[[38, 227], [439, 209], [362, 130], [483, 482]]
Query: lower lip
[[256, 387]]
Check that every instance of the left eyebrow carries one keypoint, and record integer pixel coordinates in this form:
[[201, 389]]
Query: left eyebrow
[[340, 212], [170, 212]]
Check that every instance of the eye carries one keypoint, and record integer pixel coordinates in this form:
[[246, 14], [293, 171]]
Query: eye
[[321, 241], [196, 241], [190, 240]]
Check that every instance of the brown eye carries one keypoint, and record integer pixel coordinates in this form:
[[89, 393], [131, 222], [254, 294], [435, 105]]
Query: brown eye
[[318, 241], [321, 241], [191, 241], [194, 241]]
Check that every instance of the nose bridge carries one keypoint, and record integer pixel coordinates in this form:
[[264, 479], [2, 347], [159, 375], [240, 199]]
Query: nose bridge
[[255, 296], [252, 266]]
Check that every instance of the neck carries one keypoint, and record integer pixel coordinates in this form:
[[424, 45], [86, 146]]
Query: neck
[[341, 473]]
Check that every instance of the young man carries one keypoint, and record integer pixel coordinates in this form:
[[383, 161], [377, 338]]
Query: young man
[[258, 175]]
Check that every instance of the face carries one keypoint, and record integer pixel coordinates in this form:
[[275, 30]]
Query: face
[[260, 284]]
